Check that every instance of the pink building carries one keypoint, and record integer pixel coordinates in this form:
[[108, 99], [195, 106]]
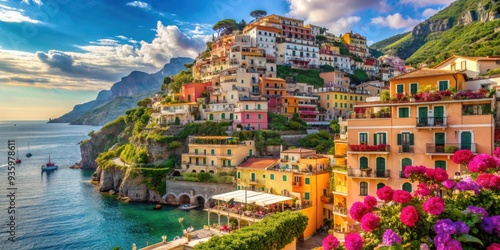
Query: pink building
[[192, 91], [251, 113]]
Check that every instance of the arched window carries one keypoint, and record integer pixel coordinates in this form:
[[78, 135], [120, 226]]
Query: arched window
[[407, 187], [440, 164], [363, 188], [363, 163], [380, 167], [404, 163], [223, 116], [380, 185]]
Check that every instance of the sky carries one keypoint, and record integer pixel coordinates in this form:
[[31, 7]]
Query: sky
[[55, 54]]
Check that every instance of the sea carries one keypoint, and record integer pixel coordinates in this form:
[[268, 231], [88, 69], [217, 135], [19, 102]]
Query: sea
[[62, 209]]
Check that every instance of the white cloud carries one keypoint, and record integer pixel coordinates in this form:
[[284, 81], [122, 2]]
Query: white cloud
[[101, 63], [396, 21], [338, 17], [429, 12], [37, 2], [423, 3], [139, 4], [13, 15]]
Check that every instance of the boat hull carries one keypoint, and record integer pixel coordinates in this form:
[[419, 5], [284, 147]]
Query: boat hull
[[49, 168], [186, 207]]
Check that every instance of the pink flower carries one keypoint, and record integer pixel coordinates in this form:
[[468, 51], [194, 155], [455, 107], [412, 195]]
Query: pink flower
[[484, 180], [482, 162], [370, 202], [385, 193], [358, 209], [493, 246], [449, 184], [496, 152], [434, 206], [353, 242], [462, 156], [402, 196], [440, 175], [330, 242], [369, 222], [409, 170], [409, 216], [422, 190]]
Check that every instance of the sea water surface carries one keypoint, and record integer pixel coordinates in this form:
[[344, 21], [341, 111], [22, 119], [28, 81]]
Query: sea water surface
[[61, 209]]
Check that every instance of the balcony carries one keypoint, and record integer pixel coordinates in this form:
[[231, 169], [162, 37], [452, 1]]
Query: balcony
[[369, 149], [448, 148], [253, 181], [368, 173], [296, 183], [406, 149], [340, 189], [371, 115], [431, 122], [327, 199], [340, 210], [308, 112]]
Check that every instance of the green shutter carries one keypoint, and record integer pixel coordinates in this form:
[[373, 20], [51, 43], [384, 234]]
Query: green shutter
[[306, 196], [307, 181], [412, 139], [375, 139], [284, 177], [399, 139], [272, 176], [413, 88], [239, 175], [399, 88]]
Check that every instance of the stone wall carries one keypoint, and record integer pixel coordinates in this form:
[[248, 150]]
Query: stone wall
[[176, 189]]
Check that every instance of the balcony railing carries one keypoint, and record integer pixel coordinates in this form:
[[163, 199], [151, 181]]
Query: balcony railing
[[340, 210], [340, 189], [297, 183], [327, 199], [369, 148], [430, 121], [448, 148], [368, 173], [406, 149], [370, 116]]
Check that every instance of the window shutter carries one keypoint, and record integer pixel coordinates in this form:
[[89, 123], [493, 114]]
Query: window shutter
[[375, 139], [399, 139], [412, 139]]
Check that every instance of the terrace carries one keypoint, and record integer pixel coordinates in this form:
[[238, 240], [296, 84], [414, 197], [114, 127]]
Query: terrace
[[368, 173]]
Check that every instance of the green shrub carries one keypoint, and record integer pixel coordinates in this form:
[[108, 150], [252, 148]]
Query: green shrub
[[204, 177], [174, 145]]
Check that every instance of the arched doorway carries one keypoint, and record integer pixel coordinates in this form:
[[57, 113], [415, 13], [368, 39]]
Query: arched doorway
[[200, 201], [211, 171], [194, 171], [176, 173], [171, 199], [184, 199]]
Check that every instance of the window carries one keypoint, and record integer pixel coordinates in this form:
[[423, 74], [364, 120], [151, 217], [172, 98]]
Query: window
[[407, 187], [327, 105], [413, 88], [239, 175], [306, 196], [248, 116], [284, 177], [463, 65], [350, 97], [307, 181], [361, 98], [246, 107], [363, 138], [380, 185], [363, 188], [263, 176], [335, 96], [400, 88], [363, 163], [404, 163], [440, 164], [406, 138], [443, 85], [229, 152], [271, 176], [379, 138], [328, 97], [404, 112], [453, 66], [212, 152]]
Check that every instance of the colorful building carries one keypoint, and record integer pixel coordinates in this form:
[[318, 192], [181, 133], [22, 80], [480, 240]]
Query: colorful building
[[356, 43], [190, 92], [251, 174], [251, 113], [272, 89], [411, 82], [213, 154], [335, 79], [338, 185], [338, 101], [472, 66]]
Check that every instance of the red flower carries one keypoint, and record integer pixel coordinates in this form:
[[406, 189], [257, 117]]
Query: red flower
[[484, 180], [370, 202], [422, 190], [409, 216], [353, 242], [358, 209], [409, 170], [494, 246], [369, 222], [330, 242], [434, 206], [440, 175], [385, 193], [462, 156], [401, 196]]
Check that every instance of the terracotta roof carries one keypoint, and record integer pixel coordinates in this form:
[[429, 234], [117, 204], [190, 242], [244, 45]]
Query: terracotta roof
[[213, 137], [299, 150], [473, 58], [258, 163], [272, 79], [425, 72]]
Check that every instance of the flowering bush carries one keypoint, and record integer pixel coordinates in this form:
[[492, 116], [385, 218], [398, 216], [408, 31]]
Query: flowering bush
[[365, 148], [441, 213]]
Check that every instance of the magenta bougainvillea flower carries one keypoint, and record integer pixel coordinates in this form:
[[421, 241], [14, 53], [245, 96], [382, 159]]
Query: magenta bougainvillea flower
[[409, 216], [369, 222], [434, 206], [482, 162], [330, 242], [358, 209], [385, 193], [370, 202], [462, 156], [402, 196], [353, 242]]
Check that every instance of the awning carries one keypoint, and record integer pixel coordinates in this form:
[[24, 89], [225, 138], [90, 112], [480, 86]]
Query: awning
[[259, 198]]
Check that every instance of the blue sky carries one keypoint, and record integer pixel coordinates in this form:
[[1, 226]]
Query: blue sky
[[63, 52]]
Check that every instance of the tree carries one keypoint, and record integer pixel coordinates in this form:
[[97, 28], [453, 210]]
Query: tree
[[144, 102], [181, 78], [257, 14], [334, 125], [166, 81], [320, 38], [322, 30], [225, 26], [241, 24]]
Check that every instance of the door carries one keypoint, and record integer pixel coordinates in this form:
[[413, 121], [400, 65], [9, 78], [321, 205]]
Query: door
[[422, 116], [439, 116], [380, 167], [439, 141], [466, 140], [253, 176], [250, 152]]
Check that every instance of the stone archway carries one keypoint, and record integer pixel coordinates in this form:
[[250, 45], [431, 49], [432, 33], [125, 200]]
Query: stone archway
[[176, 173], [170, 199], [194, 171], [211, 171], [184, 199], [200, 201]]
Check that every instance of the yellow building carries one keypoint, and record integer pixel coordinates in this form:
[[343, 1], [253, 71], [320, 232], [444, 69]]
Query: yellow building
[[338, 100], [215, 154], [411, 82], [251, 174], [339, 186]]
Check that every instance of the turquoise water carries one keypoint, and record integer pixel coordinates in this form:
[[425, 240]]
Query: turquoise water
[[61, 209]]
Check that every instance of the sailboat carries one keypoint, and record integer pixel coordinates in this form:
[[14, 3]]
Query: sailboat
[[29, 153], [49, 166], [17, 159]]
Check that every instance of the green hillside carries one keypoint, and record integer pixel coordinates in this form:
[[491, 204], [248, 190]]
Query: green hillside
[[465, 27]]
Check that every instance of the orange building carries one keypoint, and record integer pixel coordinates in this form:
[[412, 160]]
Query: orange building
[[411, 82], [273, 89], [192, 91]]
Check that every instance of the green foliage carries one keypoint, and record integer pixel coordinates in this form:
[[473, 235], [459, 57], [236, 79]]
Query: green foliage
[[322, 142], [206, 128], [258, 13], [179, 79], [492, 72], [320, 38], [154, 178], [359, 76], [280, 122], [204, 177], [300, 75], [327, 68], [174, 145], [385, 95], [386, 42], [265, 138], [144, 102], [335, 126], [375, 53], [226, 26], [160, 139], [273, 232]]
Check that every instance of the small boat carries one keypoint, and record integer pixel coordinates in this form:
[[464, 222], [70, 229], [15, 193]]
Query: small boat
[[49, 166], [29, 153], [157, 207], [18, 161], [187, 206]]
